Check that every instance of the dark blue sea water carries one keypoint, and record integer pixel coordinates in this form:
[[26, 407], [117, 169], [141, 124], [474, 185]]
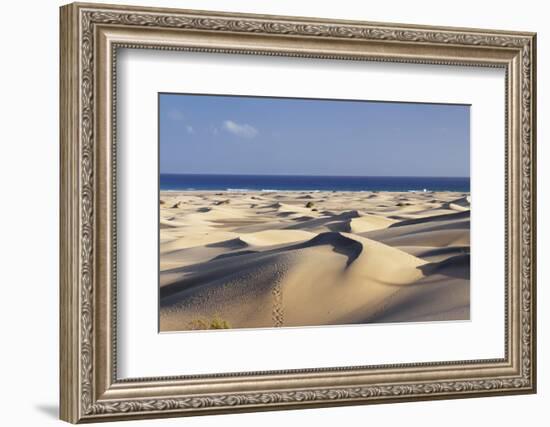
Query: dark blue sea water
[[312, 183]]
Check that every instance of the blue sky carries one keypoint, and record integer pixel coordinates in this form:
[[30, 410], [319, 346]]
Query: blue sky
[[254, 135]]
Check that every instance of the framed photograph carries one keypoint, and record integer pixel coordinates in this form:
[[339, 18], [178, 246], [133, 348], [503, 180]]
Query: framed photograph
[[266, 212]]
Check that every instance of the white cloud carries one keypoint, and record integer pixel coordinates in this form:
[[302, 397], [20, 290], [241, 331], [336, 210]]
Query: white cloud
[[189, 129], [176, 115], [243, 130]]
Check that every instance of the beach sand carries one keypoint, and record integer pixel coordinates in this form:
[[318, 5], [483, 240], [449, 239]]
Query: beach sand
[[280, 259]]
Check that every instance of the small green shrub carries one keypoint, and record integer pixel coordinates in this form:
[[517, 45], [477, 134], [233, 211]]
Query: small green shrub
[[215, 323], [310, 204]]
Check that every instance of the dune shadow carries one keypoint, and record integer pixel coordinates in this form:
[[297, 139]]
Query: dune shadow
[[228, 244], [435, 218], [456, 266], [340, 244], [334, 223], [303, 218], [285, 214], [457, 250], [234, 254]]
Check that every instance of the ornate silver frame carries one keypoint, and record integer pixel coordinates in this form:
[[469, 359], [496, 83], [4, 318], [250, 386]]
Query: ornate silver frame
[[90, 36]]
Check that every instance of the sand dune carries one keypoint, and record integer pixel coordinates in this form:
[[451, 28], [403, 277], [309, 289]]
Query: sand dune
[[300, 259], [462, 204], [437, 231], [275, 237]]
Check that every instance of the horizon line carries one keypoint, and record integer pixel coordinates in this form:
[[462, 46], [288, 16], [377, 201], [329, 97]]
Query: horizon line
[[307, 175]]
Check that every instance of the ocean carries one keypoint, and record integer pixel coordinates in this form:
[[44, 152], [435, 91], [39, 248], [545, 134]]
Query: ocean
[[181, 182]]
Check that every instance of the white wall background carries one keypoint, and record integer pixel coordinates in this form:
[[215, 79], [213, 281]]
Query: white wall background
[[29, 170]]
